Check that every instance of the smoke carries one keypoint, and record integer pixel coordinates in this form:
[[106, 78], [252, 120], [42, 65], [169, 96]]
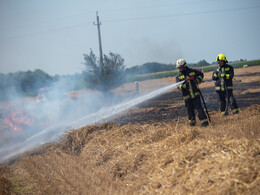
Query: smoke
[[58, 111], [23, 117], [150, 50]]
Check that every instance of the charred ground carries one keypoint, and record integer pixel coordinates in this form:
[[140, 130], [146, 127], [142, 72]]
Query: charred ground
[[150, 149]]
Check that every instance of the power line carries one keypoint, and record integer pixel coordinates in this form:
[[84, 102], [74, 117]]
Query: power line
[[48, 31], [105, 10], [156, 6], [138, 18], [184, 14]]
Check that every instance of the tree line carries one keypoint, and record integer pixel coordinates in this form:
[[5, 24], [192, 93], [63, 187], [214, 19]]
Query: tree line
[[102, 76], [21, 82]]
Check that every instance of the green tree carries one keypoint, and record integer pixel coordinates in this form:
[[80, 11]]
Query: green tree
[[32, 80], [202, 63], [23, 83], [104, 76]]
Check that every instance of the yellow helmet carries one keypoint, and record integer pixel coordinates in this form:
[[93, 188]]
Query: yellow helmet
[[221, 57]]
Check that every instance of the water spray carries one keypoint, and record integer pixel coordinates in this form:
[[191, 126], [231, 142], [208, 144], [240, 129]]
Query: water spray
[[52, 133]]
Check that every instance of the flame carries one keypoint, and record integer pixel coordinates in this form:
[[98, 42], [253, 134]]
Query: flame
[[17, 120]]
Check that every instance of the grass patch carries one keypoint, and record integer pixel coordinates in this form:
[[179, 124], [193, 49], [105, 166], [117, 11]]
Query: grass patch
[[175, 72], [20, 182]]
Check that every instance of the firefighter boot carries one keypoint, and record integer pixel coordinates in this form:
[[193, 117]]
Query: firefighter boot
[[192, 123], [224, 113], [205, 124], [235, 111]]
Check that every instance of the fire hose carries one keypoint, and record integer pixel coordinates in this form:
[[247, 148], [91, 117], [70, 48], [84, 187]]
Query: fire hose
[[204, 105]]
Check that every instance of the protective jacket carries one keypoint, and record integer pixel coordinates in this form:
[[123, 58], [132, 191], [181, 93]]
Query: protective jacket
[[189, 88], [223, 84], [223, 76]]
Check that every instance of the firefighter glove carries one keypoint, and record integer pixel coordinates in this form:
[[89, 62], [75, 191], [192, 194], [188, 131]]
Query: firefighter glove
[[216, 75], [190, 78]]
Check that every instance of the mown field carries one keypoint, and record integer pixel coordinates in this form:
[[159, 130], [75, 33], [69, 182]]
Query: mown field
[[205, 69], [150, 149]]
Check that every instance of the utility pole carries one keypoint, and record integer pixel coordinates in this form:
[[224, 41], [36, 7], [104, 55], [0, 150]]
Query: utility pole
[[99, 39]]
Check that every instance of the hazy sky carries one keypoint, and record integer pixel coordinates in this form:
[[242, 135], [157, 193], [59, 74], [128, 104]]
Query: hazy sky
[[53, 35]]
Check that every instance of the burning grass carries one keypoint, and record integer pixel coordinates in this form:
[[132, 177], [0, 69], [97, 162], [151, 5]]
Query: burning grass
[[17, 120]]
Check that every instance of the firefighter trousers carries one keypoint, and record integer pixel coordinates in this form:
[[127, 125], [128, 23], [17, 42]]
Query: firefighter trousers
[[192, 105], [222, 95]]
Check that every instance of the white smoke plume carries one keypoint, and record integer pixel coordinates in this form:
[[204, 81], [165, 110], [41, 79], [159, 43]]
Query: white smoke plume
[[61, 111]]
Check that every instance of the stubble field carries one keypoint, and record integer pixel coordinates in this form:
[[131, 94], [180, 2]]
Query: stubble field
[[150, 149]]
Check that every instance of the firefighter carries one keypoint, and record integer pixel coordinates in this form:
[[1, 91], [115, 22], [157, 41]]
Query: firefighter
[[136, 87], [190, 93], [223, 76]]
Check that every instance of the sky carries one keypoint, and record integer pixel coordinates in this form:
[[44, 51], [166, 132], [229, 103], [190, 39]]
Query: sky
[[53, 35]]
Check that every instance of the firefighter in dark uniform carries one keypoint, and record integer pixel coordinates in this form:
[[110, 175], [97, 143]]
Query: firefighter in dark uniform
[[190, 92], [223, 76]]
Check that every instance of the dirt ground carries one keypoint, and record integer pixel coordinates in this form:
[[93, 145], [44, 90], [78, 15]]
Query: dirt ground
[[150, 149]]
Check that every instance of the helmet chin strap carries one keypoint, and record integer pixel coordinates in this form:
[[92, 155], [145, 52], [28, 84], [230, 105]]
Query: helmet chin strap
[[222, 64], [184, 69]]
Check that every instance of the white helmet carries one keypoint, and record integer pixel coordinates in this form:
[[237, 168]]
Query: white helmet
[[180, 62]]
